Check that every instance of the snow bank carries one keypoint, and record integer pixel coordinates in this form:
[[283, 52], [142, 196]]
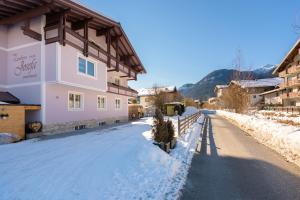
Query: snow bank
[[6, 138], [282, 138], [115, 163], [189, 110]]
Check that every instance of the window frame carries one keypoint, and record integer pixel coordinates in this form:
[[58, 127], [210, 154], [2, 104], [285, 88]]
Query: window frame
[[120, 107], [87, 60], [81, 101], [105, 102]]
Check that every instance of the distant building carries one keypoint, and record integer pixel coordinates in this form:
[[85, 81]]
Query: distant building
[[289, 71], [219, 90], [145, 97], [256, 87]]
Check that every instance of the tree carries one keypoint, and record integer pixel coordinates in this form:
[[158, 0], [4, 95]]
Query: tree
[[235, 96]]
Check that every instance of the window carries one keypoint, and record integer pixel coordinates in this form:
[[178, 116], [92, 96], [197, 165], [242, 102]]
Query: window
[[147, 99], [90, 68], [82, 67], [118, 104], [86, 67], [117, 81], [101, 102], [75, 101], [254, 96]]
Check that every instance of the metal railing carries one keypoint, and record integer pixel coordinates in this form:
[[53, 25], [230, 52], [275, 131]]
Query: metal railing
[[186, 122]]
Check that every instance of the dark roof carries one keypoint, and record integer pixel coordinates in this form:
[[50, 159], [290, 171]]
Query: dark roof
[[9, 98]]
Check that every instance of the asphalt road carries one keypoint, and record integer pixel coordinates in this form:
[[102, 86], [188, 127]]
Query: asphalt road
[[230, 164]]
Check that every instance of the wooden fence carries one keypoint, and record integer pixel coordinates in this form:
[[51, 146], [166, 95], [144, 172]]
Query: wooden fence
[[186, 122], [290, 109]]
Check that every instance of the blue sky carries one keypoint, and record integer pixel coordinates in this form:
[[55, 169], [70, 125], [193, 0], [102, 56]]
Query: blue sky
[[181, 41]]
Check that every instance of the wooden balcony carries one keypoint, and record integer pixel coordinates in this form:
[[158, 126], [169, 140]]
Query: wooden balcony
[[121, 90], [295, 68], [290, 83], [290, 95]]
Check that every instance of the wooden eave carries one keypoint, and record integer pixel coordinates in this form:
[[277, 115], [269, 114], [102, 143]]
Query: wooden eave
[[13, 11], [288, 58]]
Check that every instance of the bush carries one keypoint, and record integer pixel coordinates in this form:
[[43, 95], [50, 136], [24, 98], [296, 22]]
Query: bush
[[162, 131]]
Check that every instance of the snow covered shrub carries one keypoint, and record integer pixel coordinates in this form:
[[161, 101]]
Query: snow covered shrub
[[162, 131]]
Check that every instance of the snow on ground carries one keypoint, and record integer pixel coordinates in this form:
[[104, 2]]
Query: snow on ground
[[116, 163], [6, 138], [189, 110], [277, 116], [282, 138]]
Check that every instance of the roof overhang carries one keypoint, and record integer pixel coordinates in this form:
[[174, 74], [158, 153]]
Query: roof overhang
[[14, 11], [288, 58]]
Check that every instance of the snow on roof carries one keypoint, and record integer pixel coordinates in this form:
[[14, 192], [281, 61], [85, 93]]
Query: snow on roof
[[151, 91], [267, 82], [221, 86]]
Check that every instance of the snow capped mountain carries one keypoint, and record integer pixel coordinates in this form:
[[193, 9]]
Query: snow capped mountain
[[204, 88], [264, 69]]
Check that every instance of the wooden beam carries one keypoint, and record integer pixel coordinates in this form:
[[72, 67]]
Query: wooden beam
[[117, 56], [108, 42], [103, 31], [31, 33], [26, 15], [86, 38], [61, 28], [79, 24]]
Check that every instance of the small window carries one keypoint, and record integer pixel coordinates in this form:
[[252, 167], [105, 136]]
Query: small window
[[254, 96], [90, 68], [82, 66], [146, 99], [86, 67], [75, 101], [117, 81], [101, 103], [118, 104]]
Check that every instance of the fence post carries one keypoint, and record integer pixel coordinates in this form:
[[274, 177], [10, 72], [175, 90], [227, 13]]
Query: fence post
[[178, 124]]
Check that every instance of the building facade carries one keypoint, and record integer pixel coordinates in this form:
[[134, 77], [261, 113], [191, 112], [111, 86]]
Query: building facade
[[146, 97], [69, 59], [289, 70], [255, 88]]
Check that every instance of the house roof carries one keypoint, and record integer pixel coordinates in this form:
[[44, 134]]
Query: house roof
[[272, 91], [16, 11], [268, 82], [288, 58], [6, 97], [151, 91]]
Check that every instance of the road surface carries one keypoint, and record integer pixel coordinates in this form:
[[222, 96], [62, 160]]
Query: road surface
[[230, 164]]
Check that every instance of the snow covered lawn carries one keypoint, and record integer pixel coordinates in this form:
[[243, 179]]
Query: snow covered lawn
[[115, 163], [282, 138]]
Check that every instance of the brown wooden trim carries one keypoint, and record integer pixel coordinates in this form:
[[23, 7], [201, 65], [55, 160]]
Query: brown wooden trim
[[31, 33], [73, 45], [117, 56], [108, 42], [86, 39], [26, 15], [51, 40]]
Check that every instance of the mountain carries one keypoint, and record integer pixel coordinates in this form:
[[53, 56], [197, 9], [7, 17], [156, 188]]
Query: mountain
[[204, 89]]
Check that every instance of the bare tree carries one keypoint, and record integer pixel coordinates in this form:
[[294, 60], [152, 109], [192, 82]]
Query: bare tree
[[236, 96]]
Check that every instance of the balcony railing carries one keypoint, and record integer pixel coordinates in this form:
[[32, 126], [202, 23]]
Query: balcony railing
[[290, 95], [290, 83], [295, 68], [121, 90]]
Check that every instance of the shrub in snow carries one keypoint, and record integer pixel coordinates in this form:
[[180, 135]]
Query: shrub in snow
[[162, 131]]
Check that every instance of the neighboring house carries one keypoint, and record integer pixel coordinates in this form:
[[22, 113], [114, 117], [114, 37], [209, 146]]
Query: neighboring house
[[219, 90], [256, 87], [289, 70], [69, 59], [214, 101], [145, 97]]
